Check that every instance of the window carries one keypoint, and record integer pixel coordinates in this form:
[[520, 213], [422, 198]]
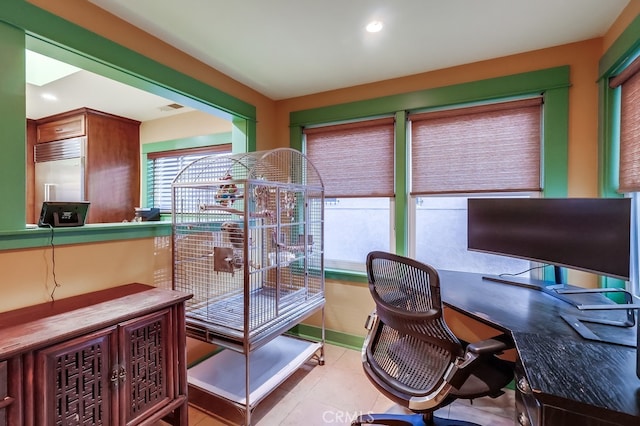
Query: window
[[627, 82], [415, 206], [493, 148], [356, 163], [489, 148], [353, 228], [634, 282], [441, 239], [163, 167]]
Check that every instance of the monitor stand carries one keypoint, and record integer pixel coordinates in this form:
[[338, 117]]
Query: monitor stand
[[577, 323], [544, 286], [559, 291]]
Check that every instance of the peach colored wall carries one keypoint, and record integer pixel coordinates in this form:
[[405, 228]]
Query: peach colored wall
[[347, 306], [188, 124], [582, 57], [27, 275]]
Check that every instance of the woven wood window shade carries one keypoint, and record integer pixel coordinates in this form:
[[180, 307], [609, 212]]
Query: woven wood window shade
[[355, 159], [488, 148], [629, 80]]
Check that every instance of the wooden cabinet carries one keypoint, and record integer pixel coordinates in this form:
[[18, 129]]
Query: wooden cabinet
[[112, 162], [61, 128], [73, 380], [113, 357], [527, 408], [5, 398]]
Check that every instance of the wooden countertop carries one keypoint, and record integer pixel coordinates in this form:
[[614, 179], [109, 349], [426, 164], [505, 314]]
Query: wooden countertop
[[563, 369], [31, 327]]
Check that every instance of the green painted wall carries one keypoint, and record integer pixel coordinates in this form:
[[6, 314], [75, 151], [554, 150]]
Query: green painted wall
[[12, 129]]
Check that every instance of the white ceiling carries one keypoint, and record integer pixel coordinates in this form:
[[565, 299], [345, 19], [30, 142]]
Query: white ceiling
[[289, 48], [74, 88]]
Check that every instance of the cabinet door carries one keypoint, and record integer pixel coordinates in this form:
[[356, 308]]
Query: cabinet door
[[11, 403], [63, 128], [147, 356], [4, 393], [74, 383]]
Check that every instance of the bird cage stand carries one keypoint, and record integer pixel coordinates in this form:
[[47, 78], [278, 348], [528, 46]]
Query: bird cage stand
[[248, 233]]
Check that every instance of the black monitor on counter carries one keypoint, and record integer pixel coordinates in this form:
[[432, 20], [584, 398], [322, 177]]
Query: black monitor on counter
[[588, 234], [55, 214]]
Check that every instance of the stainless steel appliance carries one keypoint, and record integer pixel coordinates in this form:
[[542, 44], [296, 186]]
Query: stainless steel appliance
[[59, 170]]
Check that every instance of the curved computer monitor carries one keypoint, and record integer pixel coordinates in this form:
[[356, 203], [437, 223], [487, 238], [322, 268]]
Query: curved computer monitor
[[588, 234]]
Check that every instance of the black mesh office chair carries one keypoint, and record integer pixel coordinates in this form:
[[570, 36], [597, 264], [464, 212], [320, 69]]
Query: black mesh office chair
[[410, 354]]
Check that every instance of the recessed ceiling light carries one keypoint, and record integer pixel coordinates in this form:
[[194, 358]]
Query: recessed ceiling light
[[49, 97], [374, 26]]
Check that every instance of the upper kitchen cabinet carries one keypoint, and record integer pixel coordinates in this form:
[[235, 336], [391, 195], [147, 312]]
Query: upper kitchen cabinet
[[106, 163], [62, 127]]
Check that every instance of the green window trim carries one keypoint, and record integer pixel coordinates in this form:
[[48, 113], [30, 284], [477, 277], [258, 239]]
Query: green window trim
[[171, 145], [333, 337], [623, 50], [552, 83], [476, 91], [24, 25]]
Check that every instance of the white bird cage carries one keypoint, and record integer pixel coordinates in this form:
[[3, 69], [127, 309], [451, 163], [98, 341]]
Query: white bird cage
[[248, 243]]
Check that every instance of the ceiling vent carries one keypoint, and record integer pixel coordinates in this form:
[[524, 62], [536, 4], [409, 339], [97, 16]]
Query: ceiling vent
[[170, 107]]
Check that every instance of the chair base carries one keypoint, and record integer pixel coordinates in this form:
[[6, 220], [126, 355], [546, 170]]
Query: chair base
[[407, 420]]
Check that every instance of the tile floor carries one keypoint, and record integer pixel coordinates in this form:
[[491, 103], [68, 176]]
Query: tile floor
[[333, 394]]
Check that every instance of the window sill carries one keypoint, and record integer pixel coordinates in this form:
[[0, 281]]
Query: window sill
[[343, 275], [41, 237]]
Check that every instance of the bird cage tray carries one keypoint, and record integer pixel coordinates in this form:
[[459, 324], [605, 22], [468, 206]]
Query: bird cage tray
[[224, 374], [222, 322], [230, 310]]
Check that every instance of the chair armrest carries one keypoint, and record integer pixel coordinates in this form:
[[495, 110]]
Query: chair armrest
[[489, 346], [463, 367], [494, 345]]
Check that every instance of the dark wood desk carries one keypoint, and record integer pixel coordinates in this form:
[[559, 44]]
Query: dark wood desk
[[566, 379]]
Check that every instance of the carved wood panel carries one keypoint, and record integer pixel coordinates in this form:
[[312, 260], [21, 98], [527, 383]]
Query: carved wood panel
[[145, 353], [77, 381]]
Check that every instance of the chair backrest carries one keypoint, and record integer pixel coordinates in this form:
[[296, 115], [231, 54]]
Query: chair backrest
[[407, 297]]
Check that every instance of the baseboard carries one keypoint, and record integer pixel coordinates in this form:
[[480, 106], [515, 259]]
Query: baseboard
[[333, 337]]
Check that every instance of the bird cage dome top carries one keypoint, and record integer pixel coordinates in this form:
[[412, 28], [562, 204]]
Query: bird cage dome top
[[280, 165]]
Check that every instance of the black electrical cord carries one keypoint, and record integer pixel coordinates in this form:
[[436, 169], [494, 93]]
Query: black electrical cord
[[56, 284], [506, 274]]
